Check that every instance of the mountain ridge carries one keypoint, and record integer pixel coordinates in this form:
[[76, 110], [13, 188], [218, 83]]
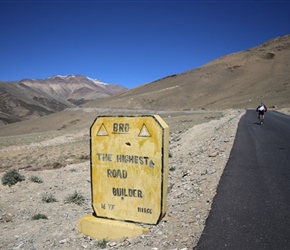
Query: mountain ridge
[[238, 80], [29, 98]]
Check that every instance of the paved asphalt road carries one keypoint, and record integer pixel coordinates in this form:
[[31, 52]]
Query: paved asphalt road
[[252, 207]]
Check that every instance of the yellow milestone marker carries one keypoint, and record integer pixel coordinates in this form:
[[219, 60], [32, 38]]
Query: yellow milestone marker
[[129, 175]]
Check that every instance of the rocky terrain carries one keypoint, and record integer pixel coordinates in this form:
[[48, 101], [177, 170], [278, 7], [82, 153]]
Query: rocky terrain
[[200, 145]]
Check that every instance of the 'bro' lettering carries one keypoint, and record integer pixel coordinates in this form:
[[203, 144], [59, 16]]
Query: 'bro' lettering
[[120, 128]]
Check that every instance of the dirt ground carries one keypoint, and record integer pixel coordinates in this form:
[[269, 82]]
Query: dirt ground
[[200, 144]]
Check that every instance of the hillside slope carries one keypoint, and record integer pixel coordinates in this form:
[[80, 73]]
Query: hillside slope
[[238, 80]]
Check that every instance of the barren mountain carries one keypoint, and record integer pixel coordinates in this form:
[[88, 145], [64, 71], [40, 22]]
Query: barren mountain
[[238, 80], [37, 97]]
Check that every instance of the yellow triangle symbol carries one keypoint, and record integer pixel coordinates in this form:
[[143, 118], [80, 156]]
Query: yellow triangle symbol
[[102, 131], [144, 131]]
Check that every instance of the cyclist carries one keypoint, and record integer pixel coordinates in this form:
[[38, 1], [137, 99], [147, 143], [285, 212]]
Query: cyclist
[[261, 109]]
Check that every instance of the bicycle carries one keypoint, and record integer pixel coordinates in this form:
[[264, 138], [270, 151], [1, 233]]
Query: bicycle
[[261, 118]]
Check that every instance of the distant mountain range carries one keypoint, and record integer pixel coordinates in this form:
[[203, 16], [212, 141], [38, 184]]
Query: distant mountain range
[[238, 80], [37, 97]]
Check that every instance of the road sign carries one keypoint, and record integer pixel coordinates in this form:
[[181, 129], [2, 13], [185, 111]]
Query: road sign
[[129, 168]]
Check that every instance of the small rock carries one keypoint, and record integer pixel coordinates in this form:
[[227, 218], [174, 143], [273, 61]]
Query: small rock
[[112, 244], [210, 171], [62, 241], [214, 154]]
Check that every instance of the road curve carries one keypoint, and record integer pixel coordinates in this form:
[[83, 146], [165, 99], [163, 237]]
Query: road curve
[[251, 209]]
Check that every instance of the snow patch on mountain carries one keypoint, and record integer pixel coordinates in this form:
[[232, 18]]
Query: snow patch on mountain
[[96, 81], [60, 76]]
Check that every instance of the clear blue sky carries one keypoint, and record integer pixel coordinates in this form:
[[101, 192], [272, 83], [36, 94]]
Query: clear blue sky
[[129, 42]]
